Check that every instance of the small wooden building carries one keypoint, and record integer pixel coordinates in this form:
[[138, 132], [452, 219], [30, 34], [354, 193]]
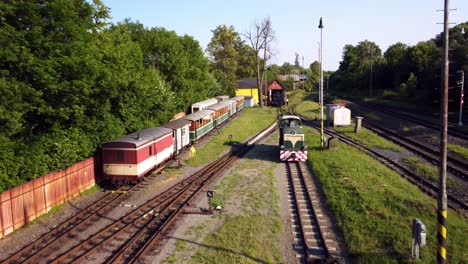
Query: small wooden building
[[276, 94], [248, 87]]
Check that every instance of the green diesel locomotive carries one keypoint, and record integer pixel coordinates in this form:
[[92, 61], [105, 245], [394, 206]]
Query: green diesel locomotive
[[292, 140]]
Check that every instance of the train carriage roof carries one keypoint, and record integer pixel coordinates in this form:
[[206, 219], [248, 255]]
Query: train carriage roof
[[222, 97], [156, 132], [137, 139], [178, 123], [218, 106], [237, 98], [210, 101], [290, 117], [198, 115]]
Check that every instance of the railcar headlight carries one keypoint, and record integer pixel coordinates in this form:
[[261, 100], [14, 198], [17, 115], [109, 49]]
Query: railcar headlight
[[282, 146], [305, 147]]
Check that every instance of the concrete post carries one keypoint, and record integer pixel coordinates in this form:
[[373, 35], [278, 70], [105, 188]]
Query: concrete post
[[358, 124]]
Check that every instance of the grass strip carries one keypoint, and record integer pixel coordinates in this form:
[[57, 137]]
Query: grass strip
[[251, 121], [374, 208], [368, 138], [462, 151]]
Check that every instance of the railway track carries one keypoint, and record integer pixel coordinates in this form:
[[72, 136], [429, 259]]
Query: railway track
[[418, 120], [36, 250], [315, 242], [135, 236], [426, 186], [455, 164]]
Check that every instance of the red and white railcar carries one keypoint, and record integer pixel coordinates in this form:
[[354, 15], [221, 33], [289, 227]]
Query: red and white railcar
[[131, 156]]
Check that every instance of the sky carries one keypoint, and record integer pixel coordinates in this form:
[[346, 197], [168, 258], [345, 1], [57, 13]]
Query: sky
[[295, 22]]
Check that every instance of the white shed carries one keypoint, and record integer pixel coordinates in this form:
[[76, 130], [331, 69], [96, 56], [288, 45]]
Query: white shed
[[340, 116], [249, 101]]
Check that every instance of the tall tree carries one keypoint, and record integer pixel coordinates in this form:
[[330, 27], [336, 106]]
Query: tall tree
[[260, 40], [223, 54], [180, 59], [48, 70], [397, 59], [358, 66], [245, 60]]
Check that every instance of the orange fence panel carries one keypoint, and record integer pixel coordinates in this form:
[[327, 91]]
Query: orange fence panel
[[1, 224], [5, 214], [30, 200], [39, 196], [17, 207]]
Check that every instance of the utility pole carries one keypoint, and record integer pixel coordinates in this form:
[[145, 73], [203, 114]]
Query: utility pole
[[320, 60], [303, 72], [321, 86], [371, 61], [460, 83], [370, 49], [442, 197]]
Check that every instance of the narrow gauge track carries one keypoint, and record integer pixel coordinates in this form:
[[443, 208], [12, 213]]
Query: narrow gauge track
[[135, 237], [455, 164], [312, 229], [406, 116], [71, 227], [434, 116], [53, 240], [424, 185]]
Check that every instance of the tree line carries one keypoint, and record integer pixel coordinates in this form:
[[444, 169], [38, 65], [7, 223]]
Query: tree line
[[402, 71], [69, 81]]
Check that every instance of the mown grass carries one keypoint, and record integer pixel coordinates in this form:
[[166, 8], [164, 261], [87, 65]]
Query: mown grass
[[309, 109], [462, 151], [298, 96], [374, 208], [251, 234], [250, 122], [431, 173], [368, 138]]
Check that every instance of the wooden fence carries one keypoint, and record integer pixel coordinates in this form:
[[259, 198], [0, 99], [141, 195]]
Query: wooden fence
[[24, 203]]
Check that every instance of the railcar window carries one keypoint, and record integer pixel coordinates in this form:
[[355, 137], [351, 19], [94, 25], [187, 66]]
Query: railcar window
[[119, 155], [150, 150]]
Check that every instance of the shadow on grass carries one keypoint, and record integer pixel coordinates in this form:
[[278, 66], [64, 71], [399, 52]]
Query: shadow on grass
[[263, 152], [231, 143], [229, 251]]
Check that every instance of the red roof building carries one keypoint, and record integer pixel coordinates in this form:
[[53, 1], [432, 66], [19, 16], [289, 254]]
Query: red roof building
[[276, 93]]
